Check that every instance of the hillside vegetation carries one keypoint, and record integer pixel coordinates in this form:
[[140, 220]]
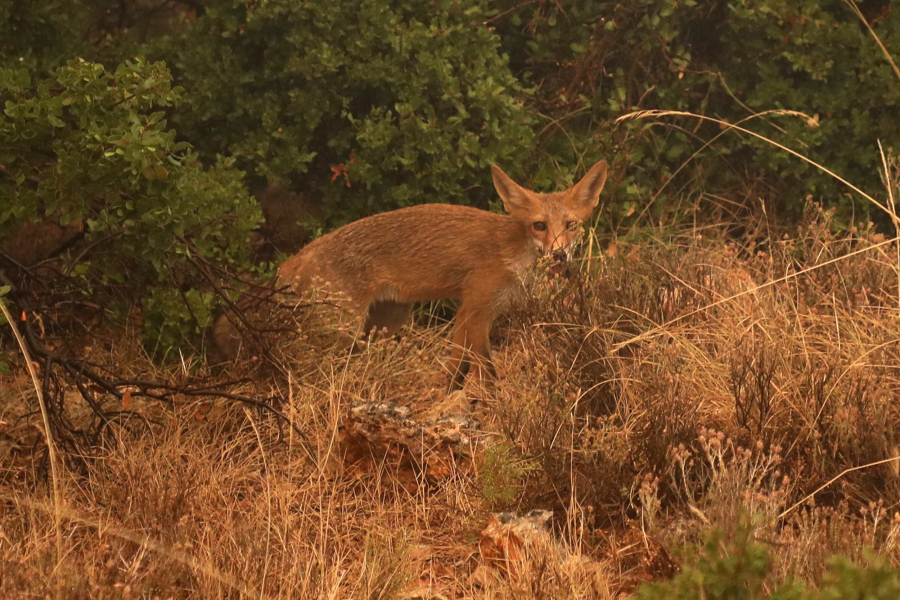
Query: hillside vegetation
[[702, 406]]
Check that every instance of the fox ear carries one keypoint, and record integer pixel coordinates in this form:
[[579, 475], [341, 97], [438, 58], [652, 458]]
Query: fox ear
[[585, 194], [515, 197]]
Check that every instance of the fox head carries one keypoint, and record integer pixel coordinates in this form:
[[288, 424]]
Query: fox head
[[553, 220]]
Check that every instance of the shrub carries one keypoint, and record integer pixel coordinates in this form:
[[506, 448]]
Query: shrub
[[363, 105], [591, 62], [41, 35], [91, 148], [738, 568], [816, 57], [500, 473]]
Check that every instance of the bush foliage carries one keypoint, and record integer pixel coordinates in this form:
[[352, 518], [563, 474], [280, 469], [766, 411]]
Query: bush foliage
[[737, 567], [819, 58], [92, 148], [365, 106], [591, 62], [41, 36]]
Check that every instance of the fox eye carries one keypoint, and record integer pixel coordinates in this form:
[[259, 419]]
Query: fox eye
[[539, 226], [571, 225]]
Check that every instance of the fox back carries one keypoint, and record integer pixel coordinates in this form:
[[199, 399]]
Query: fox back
[[415, 254], [383, 264]]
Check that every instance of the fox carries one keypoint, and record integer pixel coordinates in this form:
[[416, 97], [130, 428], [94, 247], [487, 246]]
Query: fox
[[384, 263]]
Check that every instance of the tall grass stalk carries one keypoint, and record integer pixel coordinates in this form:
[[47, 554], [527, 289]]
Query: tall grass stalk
[[48, 437]]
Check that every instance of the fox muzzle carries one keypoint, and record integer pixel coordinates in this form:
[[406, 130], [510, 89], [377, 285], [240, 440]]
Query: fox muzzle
[[560, 255]]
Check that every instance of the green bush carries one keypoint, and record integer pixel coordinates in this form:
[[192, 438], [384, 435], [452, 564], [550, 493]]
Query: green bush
[[364, 105], [819, 58], [592, 61], [41, 35], [411, 102], [737, 567], [500, 474], [91, 146]]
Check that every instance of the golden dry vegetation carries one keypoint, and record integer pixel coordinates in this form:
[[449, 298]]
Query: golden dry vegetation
[[665, 387]]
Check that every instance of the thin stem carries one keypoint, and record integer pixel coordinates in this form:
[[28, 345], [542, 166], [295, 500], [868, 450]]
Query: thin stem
[[51, 447]]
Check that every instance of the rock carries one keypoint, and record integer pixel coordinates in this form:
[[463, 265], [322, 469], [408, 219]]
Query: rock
[[522, 551], [383, 433], [506, 536]]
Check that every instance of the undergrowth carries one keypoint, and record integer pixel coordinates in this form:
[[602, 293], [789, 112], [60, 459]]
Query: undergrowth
[[660, 391], [738, 567]]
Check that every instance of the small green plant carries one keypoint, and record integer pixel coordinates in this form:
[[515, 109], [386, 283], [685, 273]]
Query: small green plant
[[385, 569], [500, 474], [737, 567]]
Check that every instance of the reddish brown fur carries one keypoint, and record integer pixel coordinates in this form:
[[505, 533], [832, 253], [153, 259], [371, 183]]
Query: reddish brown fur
[[384, 263]]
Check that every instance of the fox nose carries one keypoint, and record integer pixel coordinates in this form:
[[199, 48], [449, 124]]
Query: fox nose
[[560, 255]]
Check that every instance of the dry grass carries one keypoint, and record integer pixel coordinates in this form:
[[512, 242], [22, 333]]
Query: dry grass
[[661, 389], [694, 380]]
